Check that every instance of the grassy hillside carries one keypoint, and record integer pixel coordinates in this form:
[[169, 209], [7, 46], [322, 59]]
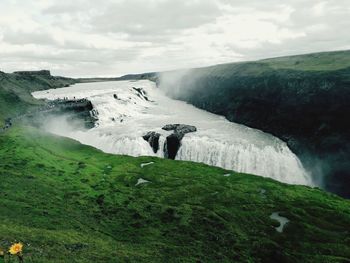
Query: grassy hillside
[[304, 100], [315, 62], [15, 89], [72, 203], [324, 61]]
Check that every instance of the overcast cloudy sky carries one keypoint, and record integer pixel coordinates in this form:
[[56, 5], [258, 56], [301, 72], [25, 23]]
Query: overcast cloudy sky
[[114, 37]]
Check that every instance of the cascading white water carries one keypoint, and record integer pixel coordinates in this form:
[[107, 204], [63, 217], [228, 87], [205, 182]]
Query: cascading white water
[[279, 164], [125, 116]]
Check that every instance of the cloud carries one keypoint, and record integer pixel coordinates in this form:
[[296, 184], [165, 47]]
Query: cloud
[[22, 38], [155, 16], [113, 37]]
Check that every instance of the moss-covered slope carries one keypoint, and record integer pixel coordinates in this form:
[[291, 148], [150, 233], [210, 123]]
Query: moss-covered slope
[[71, 203]]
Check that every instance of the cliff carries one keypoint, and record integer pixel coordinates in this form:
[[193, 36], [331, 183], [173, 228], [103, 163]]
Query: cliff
[[303, 100]]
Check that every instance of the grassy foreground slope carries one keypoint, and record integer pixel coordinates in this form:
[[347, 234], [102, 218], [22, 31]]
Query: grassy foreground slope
[[72, 203]]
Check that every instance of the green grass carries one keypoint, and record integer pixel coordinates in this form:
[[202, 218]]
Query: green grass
[[72, 203], [324, 61], [316, 62]]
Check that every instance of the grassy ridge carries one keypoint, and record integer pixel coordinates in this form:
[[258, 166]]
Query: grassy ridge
[[72, 203], [324, 61], [315, 62], [16, 88]]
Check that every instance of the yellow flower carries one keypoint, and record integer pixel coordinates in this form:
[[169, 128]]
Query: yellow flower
[[2, 253], [16, 248]]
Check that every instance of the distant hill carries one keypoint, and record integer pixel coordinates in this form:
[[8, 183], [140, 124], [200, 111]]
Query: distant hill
[[150, 76]]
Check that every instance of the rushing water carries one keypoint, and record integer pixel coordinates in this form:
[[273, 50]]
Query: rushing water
[[124, 117]]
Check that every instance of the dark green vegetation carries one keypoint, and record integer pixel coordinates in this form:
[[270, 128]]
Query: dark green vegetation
[[15, 89], [304, 100], [72, 203]]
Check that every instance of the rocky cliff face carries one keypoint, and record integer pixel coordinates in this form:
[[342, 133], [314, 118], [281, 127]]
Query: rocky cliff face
[[16, 88], [81, 109], [308, 109]]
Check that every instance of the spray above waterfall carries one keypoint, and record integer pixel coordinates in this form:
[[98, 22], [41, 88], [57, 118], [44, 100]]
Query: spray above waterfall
[[131, 112]]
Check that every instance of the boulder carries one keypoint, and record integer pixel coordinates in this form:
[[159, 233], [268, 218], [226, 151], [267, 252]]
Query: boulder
[[173, 141], [153, 139], [172, 145]]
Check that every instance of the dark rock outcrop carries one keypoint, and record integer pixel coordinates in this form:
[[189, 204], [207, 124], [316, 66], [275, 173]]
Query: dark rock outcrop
[[173, 141], [153, 139], [141, 93], [81, 109], [172, 145], [180, 128]]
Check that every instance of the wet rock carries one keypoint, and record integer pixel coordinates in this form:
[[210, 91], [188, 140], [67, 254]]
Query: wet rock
[[180, 128], [173, 141], [172, 145], [153, 139], [141, 93]]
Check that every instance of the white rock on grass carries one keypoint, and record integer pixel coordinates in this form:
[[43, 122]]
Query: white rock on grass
[[145, 164], [282, 220], [141, 181]]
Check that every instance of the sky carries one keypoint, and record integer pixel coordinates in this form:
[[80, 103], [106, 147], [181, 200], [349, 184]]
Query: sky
[[85, 38]]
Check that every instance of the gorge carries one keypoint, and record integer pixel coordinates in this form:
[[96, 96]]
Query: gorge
[[130, 113]]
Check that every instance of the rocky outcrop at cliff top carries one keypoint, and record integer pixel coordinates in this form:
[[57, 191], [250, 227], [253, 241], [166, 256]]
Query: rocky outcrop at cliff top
[[34, 72], [173, 141]]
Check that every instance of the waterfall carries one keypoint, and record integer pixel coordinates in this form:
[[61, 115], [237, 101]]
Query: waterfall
[[278, 163], [128, 110]]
